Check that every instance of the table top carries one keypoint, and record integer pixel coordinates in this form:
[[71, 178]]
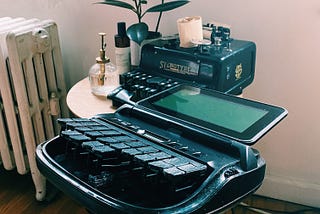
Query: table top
[[83, 103]]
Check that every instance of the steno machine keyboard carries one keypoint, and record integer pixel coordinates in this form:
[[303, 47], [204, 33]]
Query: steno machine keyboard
[[184, 150]]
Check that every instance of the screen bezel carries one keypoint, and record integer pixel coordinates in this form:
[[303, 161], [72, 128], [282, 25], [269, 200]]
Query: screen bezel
[[249, 136]]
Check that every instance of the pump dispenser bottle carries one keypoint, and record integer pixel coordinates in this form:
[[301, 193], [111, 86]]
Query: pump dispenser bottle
[[102, 75], [122, 49]]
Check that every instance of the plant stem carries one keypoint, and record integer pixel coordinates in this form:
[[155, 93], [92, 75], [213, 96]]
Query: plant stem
[[138, 9], [159, 17]]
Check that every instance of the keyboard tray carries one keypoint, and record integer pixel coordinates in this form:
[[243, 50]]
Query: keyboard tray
[[116, 163]]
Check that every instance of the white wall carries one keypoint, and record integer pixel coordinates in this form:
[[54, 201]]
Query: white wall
[[287, 35]]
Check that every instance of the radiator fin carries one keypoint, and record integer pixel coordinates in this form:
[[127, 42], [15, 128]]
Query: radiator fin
[[32, 80]]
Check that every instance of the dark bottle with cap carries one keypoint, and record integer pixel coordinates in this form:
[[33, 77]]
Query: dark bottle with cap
[[122, 49]]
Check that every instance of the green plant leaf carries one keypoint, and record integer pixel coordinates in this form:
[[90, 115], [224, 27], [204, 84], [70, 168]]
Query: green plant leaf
[[138, 32], [117, 4], [166, 6]]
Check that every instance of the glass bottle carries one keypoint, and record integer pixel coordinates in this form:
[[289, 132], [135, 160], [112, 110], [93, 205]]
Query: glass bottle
[[122, 49], [103, 74]]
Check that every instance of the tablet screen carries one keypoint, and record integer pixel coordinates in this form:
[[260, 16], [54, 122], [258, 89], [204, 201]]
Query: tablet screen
[[221, 112], [237, 118]]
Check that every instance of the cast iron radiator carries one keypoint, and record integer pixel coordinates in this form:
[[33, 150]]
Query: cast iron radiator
[[32, 93]]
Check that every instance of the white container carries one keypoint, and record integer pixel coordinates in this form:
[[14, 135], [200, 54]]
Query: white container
[[123, 59]]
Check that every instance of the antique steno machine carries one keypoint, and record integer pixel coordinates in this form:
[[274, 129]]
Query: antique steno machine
[[179, 141]]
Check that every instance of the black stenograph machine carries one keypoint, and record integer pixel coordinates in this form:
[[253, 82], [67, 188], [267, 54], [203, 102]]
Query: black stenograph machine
[[180, 141]]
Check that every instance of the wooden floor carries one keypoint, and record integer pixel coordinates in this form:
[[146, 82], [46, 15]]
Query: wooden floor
[[261, 205], [17, 195]]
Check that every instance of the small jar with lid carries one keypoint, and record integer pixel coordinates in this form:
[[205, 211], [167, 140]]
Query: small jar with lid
[[103, 74]]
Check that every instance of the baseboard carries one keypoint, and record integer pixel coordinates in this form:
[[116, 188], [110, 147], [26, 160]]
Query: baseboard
[[290, 189]]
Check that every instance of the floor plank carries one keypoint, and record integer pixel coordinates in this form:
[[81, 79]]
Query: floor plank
[[17, 195]]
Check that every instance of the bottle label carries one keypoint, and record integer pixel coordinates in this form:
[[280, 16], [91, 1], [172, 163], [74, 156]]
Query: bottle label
[[123, 59]]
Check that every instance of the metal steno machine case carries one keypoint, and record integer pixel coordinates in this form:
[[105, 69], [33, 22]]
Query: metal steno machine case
[[228, 66], [217, 169], [142, 160]]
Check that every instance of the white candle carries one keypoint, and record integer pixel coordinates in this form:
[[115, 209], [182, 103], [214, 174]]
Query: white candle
[[190, 29]]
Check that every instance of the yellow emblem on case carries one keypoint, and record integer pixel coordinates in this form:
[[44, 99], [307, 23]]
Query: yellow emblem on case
[[238, 71]]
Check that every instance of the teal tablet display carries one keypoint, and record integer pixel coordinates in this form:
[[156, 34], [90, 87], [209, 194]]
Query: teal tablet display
[[231, 116]]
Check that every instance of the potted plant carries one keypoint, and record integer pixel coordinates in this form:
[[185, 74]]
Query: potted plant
[[138, 32]]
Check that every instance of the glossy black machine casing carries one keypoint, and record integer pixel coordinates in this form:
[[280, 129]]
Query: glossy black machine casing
[[234, 169], [228, 67]]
